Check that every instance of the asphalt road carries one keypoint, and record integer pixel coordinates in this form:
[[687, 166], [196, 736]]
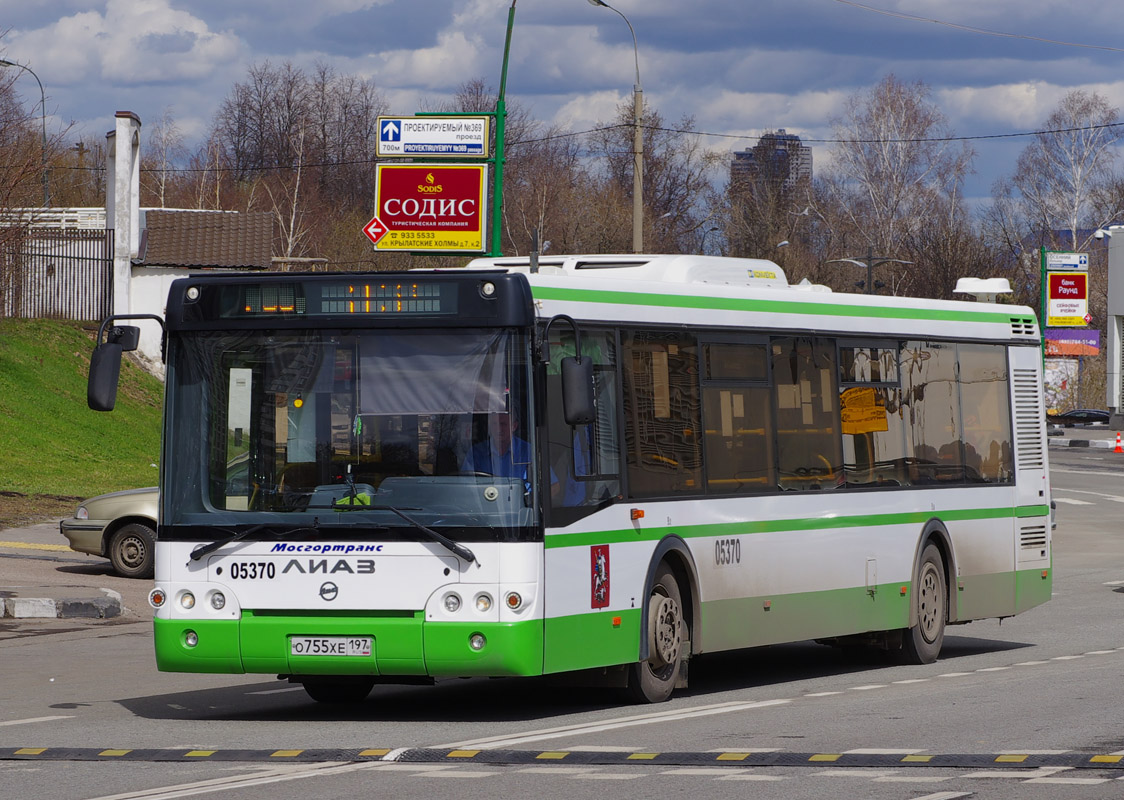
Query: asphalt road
[[1026, 708]]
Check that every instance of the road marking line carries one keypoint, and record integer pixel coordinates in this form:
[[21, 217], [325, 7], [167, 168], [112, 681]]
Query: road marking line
[[603, 748], [279, 691], [1069, 501], [874, 751], [752, 776], [925, 779], [867, 688], [1071, 781], [35, 719], [495, 742], [230, 782], [31, 546], [570, 770]]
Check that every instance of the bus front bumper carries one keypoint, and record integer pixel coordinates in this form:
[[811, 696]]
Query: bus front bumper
[[400, 646]]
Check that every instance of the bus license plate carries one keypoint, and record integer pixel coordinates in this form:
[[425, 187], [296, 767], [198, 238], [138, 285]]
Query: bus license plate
[[330, 645]]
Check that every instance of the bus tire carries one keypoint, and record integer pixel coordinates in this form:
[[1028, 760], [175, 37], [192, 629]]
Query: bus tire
[[653, 680], [339, 690], [131, 550], [921, 644]]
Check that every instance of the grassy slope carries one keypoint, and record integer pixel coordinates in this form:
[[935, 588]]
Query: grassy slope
[[50, 442]]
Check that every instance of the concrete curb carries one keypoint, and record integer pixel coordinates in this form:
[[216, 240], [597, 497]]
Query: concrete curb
[[104, 607], [1108, 444]]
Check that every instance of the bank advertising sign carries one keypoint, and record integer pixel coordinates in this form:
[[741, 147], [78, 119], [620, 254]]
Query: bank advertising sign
[[1068, 299], [429, 208]]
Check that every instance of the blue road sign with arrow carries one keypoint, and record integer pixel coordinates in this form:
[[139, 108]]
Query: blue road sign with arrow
[[454, 137]]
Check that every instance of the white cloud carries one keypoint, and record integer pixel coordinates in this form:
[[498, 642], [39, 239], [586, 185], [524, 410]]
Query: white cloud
[[133, 42]]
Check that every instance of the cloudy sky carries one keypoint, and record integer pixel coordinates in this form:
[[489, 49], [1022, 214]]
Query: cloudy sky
[[739, 67]]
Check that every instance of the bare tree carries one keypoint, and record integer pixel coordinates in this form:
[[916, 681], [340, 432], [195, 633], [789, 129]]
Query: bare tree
[[677, 174], [162, 149], [894, 168], [1059, 174]]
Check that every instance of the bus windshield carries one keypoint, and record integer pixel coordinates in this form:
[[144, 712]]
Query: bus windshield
[[300, 430]]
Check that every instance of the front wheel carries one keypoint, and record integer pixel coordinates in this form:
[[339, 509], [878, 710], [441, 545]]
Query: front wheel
[[131, 550], [652, 681], [339, 690], [921, 644]]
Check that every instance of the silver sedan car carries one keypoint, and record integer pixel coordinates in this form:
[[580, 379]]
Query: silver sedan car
[[120, 526]]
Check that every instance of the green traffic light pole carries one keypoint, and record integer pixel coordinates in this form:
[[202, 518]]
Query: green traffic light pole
[[497, 159]]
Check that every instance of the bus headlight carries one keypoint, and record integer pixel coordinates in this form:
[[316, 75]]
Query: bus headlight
[[191, 638], [187, 600], [452, 602], [483, 603], [218, 600], [477, 641]]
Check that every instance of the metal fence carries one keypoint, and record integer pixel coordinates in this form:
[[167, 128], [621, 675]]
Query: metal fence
[[57, 274]]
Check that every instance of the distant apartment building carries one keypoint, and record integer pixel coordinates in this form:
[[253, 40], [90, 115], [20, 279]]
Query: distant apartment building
[[779, 161]]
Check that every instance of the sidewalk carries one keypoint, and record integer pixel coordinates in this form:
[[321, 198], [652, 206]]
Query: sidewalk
[[42, 578]]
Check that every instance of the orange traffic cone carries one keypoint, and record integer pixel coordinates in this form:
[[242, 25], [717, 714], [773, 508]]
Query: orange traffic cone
[[1119, 448]]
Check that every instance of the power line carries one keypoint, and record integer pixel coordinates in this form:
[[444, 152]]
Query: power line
[[971, 29], [690, 132]]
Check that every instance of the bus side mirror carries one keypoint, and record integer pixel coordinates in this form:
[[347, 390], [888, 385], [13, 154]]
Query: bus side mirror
[[577, 390], [105, 370], [105, 364]]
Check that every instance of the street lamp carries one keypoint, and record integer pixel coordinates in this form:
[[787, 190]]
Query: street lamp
[[637, 141], [870, 262], [43, 102], [501, 119]]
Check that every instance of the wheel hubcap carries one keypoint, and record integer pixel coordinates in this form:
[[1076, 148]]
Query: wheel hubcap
[[929, 606], [132, 551], [665, 626]]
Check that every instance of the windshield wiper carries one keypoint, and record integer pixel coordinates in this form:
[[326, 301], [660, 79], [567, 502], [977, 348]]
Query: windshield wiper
[[210, 547], [453, 547]]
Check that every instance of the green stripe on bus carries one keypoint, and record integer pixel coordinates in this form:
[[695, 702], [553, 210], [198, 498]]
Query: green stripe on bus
[[768, 306], [747, 527]]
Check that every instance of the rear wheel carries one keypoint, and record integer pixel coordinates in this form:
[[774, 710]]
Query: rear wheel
[[131, 550], [921, 644], [339, 690], [652, 681]]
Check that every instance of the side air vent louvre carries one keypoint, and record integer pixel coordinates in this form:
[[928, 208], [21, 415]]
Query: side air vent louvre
[[1023, 326], [1033, 537], [1028, 420]]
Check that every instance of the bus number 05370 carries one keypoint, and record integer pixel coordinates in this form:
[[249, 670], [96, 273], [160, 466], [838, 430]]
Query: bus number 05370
[[727, 552]]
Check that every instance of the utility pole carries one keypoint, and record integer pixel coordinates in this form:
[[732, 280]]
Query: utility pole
[[870, 262]]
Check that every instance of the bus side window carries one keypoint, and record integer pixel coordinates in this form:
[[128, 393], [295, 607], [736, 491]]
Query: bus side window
[[583, 459], [809, 451], [870, 415]]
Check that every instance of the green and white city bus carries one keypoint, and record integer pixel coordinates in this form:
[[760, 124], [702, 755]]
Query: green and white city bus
[[600, 465]]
